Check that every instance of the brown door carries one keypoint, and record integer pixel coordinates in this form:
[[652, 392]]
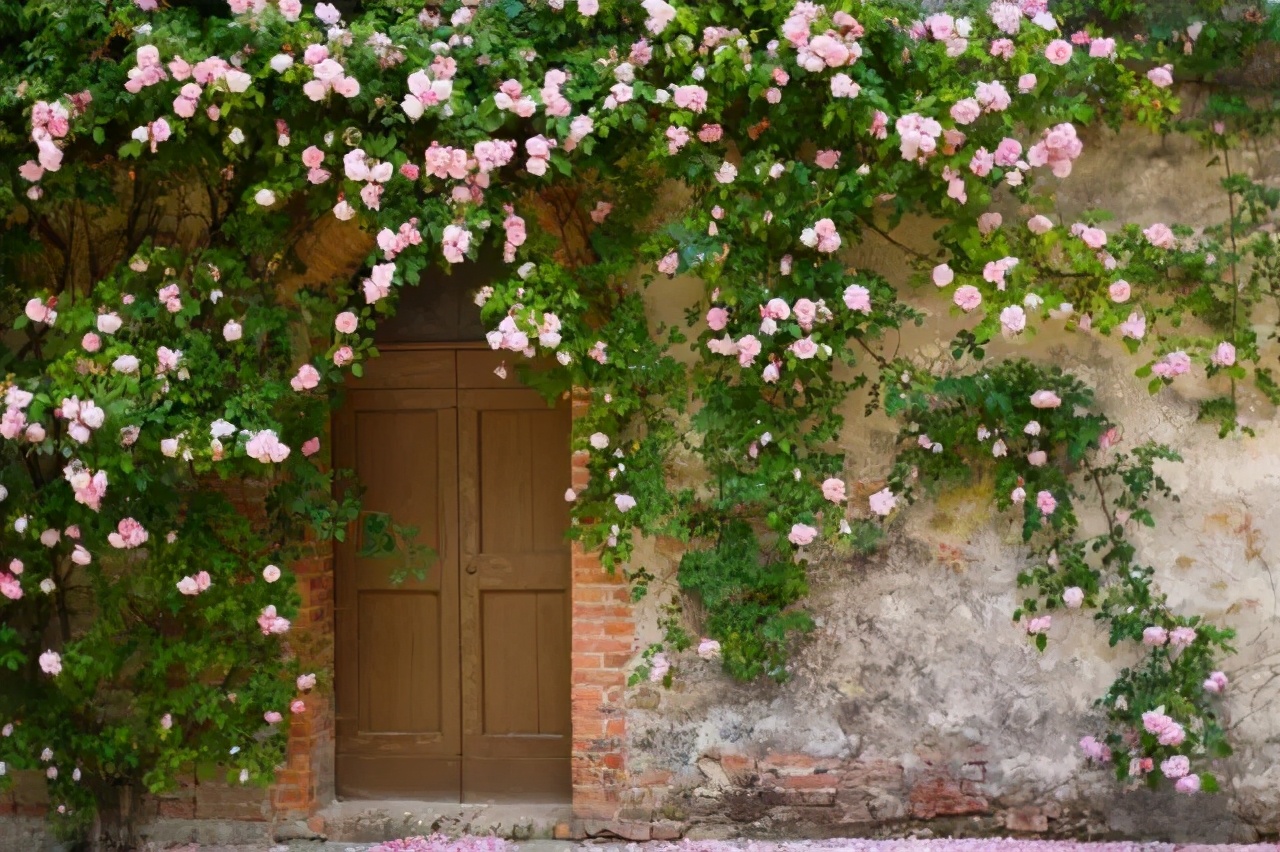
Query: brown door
[[456, 688]]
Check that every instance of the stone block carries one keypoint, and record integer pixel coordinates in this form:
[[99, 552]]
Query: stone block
[[1029, 820]]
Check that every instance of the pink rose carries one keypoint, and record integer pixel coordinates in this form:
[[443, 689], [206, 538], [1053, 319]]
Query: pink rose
[[943, 275], [1155, 636], [857, 298], [346, 322], [1046, 503], [1094, 238], [966, 111], [967, 297], [804, 348], [1058, 52], [1216, 682], [1161, 77], [272, 717], [51, 663], [1040, 224], [1073, 597], [1160, 236], [806, 312], [802, 534], [709, 649], [1102, 48], [834, 490], [1134, 327], [882, 502], [308, 377], [1224, 355], [1013, 319], [692, 98], [1045, 399], [717, 319], [298, 706], [129, 534], [1119, 291], [310, 447]]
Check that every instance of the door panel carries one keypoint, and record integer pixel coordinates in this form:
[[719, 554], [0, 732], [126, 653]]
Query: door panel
[[397, 672], [514, 469]]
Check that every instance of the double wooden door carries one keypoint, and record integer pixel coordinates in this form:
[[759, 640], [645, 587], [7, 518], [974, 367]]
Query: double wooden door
[[456, 688]]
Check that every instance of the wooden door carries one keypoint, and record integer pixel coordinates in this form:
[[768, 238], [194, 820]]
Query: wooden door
[[514, 468], [456, 688]]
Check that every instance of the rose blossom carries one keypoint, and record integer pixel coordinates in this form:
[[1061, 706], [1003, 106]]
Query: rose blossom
[[967, 297], [883, 502], [802, 534], [1058, 52], [834, 490], [1045, 399], [1224, 355]]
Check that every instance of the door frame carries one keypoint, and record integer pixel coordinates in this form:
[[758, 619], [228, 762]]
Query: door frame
[[577, 471]]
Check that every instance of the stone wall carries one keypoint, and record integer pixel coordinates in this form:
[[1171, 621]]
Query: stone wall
[[917, 704]]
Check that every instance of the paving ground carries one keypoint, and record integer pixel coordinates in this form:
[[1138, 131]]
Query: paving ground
[[853, 845]]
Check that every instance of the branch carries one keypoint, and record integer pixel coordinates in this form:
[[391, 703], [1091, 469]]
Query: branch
[[919, 255]]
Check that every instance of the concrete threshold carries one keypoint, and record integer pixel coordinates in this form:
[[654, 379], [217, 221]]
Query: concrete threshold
[[378, 820]]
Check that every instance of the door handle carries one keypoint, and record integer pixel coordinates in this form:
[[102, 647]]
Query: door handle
[[472, 567]]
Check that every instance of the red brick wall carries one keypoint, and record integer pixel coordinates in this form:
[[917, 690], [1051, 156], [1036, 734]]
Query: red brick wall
[[603, 639], [306, 782]]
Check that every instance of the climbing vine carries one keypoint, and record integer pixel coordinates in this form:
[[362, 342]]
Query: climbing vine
[[166, 161]]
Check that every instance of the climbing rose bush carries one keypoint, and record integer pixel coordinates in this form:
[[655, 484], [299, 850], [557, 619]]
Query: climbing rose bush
[[168, 164]]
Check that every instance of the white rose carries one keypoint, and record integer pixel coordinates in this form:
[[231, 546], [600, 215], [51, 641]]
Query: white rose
[[265, 197], [238, 81], [125, 364]]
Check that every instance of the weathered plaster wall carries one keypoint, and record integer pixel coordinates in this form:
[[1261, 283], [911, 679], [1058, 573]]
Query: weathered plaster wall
[[917, 698]]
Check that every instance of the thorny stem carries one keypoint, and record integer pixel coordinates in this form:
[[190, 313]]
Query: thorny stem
[[879, 359], [1102, 498], [1235, 282]]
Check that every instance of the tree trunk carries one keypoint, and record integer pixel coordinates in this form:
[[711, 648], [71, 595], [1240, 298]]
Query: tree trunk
[[113, 827]]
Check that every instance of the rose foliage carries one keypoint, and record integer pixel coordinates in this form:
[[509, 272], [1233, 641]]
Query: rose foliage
[[166, 163]]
